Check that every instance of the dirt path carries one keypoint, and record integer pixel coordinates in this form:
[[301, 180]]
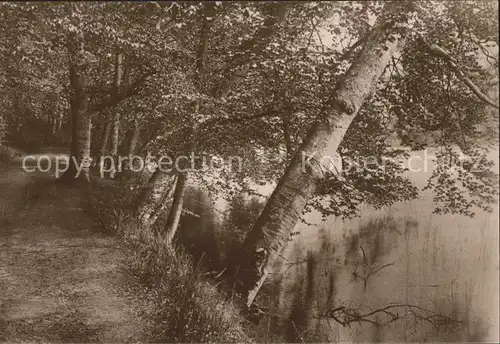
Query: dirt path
[[61, 279]]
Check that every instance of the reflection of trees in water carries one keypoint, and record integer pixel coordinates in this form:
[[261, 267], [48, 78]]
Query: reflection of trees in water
[[325, 272], [377, 236], [197, 230], [333, 283], [297, 327]]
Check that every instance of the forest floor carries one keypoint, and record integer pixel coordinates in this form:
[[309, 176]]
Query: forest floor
[[61, 277]]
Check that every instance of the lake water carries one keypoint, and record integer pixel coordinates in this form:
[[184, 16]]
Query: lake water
[[446, 264]]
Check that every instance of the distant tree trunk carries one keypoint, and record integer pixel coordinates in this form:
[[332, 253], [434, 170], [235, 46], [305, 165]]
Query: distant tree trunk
[[174, 214], [115, 131], [129, 150], [104, 143], [153, 197], [59, 122], [56, 121], [80, 115], [133, 139], [115, 138], [275, 224], [53, 123]]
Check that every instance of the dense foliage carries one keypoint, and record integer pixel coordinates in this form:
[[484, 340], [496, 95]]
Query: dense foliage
[[289, 71]]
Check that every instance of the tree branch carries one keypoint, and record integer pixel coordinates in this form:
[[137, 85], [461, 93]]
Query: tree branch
[[208, 14], [346, 54], [243, 119], [237, 68], [129, 91], [436, 50], [346, 315]]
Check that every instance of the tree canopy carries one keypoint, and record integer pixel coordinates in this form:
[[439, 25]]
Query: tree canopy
[[269, 70]]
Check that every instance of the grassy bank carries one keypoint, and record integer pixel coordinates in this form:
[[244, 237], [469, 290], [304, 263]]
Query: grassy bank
[[180, 301]]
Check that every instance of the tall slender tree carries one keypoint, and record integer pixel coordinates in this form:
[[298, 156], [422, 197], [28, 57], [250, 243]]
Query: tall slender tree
[[149, 202]]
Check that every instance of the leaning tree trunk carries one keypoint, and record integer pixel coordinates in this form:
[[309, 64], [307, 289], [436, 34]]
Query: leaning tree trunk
[[174, 214], [274, 226], [78, 168], [153, 198]]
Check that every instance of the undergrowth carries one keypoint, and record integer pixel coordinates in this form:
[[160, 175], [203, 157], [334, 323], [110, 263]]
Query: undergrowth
[[183, 304], [8, 154]]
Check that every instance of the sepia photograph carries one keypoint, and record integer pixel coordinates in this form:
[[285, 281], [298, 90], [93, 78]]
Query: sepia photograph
[[249, 171]]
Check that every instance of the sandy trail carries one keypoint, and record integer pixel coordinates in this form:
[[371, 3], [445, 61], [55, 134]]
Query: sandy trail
[[61, 278]]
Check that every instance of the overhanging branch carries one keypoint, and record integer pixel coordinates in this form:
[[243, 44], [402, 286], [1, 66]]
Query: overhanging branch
[[436, 50]]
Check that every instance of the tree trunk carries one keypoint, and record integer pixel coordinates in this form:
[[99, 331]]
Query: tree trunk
[[59, 122], [115, 137], [174, 214], [79, 164], [133, 139], [115, 131], [150, 202], [275, 224], [104, 143], [130, 149], [153, 197], [105, 138], [53, 123]]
